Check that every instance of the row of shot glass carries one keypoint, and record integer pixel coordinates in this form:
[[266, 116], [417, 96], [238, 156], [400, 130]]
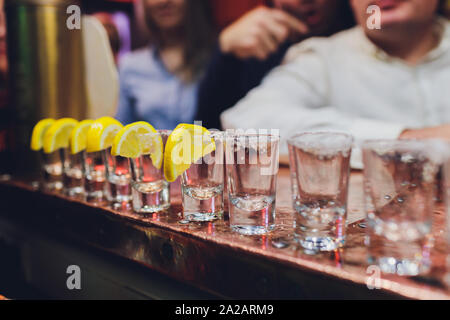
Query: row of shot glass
[[249, 161], [403, 183]]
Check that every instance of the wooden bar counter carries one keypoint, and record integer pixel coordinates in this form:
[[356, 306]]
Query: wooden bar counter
[[211, 258]]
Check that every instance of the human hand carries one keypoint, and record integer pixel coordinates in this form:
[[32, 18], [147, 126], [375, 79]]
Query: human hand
[[438, 132], [259, 33]]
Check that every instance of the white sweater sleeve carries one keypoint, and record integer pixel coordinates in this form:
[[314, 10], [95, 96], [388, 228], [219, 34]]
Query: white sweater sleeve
[[295, 97]]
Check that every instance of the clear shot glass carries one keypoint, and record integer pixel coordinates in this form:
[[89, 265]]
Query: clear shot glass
[[203, 183], [251, 168], [400, 182], [73, 177], [118, 177], [150, 190], [52, 170], [320, 170], [94, 171]]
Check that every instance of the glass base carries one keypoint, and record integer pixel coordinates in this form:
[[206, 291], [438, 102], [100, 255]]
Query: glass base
[[202, 216], [252, 230], [75, 192], [122, 206], [314, 245], [118, 193], [404, 267], [151, 197], [96, 197], [52, 186], [252, 214], [120, 199], [151, 209], [202, 204]]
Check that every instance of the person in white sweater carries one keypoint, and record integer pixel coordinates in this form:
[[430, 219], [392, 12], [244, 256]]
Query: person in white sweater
[[386, 83]]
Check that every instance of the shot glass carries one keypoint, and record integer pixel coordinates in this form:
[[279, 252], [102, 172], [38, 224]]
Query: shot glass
[[118, 176], [320, 170], [203, 183], [400, 182], [150, 190], [94, 171], [73, 177], [52, 170], [251, 168]]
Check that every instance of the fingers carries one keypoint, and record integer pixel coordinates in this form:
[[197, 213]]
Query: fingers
[[260, 33], [290, 21], [270, 34], [268, 41], [276, 30]]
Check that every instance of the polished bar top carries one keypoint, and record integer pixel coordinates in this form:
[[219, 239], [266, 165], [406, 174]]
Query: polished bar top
[[212, 257]]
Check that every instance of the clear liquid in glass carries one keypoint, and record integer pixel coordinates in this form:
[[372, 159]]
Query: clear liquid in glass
[[252, 213], [252, 166], [52, 170], [150, 197], [73, 177], [320, 199], [118, 173], [400, 191], [95, 177], [149, 189], [202, 202]]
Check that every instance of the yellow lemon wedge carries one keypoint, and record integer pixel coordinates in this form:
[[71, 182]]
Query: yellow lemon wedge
[[78, 138], [58, 134], [186, 145], [136, 139], [39, 130], [101, 134]]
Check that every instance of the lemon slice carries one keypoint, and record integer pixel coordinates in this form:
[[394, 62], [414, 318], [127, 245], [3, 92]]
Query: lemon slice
[[58, 134], [37, 137], [101, 134], [78, 138], [130, 142], [186, 144]]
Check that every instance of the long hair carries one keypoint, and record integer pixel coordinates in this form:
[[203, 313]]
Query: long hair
[[198, 39]]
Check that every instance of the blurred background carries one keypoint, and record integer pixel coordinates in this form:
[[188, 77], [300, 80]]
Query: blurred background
[[21, 100], [54, 72]]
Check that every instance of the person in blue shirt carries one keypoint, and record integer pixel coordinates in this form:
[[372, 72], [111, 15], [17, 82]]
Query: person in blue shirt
[[256, 43], [159, 83]]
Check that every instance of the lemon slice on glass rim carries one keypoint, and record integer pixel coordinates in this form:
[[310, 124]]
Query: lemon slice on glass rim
[[39, 130], [78, 138], [186, 145], [58, 134], [101, 134], [136, 139]]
